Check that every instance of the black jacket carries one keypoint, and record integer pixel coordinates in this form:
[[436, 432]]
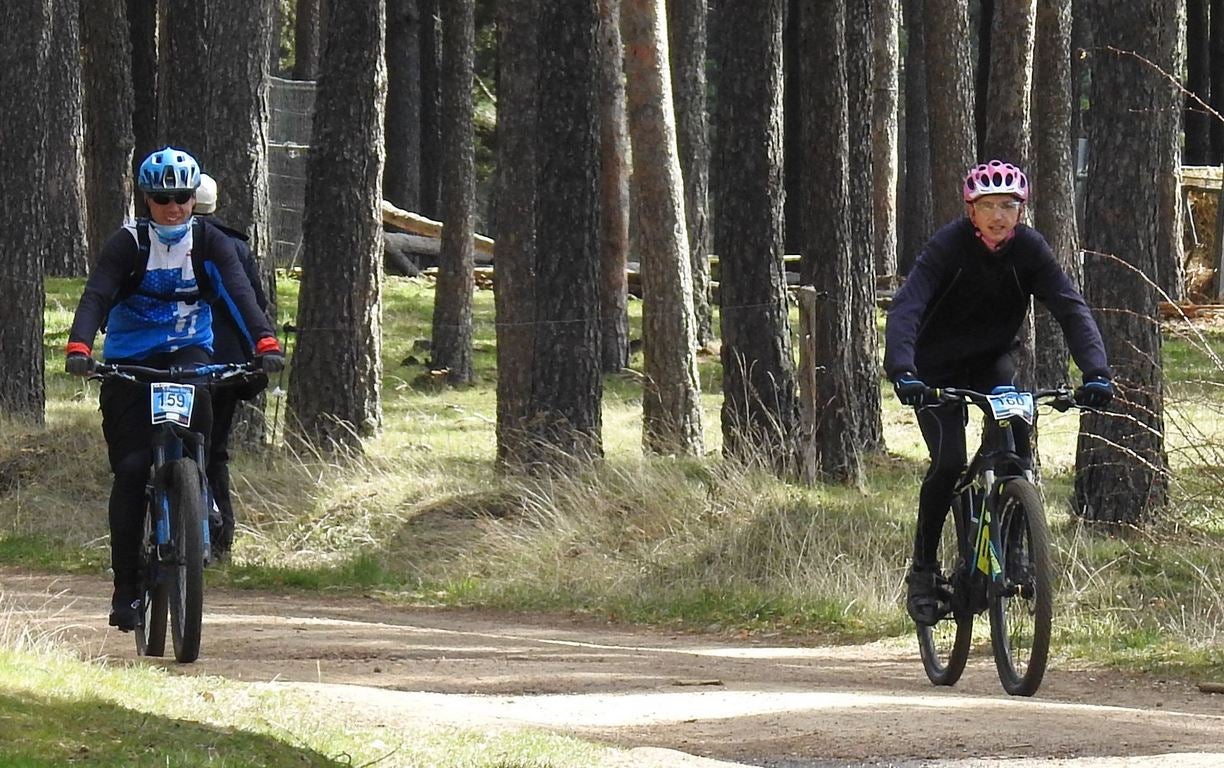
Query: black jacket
[[230, 341], [961, 306]]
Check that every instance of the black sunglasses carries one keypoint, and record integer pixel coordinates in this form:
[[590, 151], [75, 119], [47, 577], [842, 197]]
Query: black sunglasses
[[179, 197]]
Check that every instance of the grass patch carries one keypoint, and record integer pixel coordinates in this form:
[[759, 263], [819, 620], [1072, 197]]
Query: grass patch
[[58, 710]]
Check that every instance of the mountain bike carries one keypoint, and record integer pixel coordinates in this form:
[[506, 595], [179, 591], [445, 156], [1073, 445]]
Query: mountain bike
[[175, 545], [995, 550]]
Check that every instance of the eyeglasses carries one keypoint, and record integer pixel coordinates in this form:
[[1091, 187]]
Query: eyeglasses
[[1007, 206], [179, 197]]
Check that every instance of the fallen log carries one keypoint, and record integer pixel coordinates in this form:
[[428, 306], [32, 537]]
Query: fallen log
[[419, 225]]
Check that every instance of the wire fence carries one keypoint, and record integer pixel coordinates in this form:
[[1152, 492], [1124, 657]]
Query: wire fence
[[291, 107]]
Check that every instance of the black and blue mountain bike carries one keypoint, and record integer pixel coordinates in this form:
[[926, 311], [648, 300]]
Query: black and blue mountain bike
[[175, 546]]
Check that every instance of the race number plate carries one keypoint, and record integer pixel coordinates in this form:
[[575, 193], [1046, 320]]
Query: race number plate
[[1012, 404], [172, 402]]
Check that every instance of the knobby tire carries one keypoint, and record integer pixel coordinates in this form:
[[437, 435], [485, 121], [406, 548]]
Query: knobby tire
[[187, 580], [151, 634], [1020, 623], [945, 647]]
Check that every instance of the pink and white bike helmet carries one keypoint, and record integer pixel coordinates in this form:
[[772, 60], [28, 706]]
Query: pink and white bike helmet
[[995, 178]]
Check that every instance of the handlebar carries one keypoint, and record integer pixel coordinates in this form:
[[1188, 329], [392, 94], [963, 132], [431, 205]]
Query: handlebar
[[1060, 398], [215, 372]]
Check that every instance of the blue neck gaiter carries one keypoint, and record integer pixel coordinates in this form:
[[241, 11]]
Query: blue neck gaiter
[[170, 234]]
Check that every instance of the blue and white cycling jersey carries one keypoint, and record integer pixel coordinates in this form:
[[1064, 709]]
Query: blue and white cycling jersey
[[142, 325]]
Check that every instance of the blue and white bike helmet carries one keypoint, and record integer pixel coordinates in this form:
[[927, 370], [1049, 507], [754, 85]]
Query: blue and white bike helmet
[[168, 170]]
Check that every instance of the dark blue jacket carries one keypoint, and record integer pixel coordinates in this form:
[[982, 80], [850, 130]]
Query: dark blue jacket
[[231, 343], [961, 307]]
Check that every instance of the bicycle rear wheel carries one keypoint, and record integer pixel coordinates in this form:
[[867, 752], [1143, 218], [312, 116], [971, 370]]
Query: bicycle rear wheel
[[1020, 617], [186, 584], [944, 647]]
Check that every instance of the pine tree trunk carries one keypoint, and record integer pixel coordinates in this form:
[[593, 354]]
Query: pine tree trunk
[[1053, 201], [549, 383], [66, 252], [863, 338], [950, 105], [1122, 471], [402, 173], [671, 413], [1198, 82], [214, 99], [431, 107], [25, 50], [452, 313], [613, 192], [308, 39], [760, 406], [107, 88], [514, 291], [334, 393], [686, 25], [916, 214], [830, 445], [142, 29], [884, 158]]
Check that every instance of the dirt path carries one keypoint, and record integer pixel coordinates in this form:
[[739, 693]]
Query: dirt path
[[752, 703]]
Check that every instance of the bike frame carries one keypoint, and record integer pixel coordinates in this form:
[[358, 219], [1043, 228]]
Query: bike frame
[[996, 462]]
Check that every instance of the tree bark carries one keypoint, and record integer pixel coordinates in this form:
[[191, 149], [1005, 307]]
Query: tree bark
[[1216, 44], [549, 383], [402, 173], [686, 25], [613, 192], [514, 293], [950, 104], [142, 29], [885, 58], [830, 445], [1053, 194], [863, 339], [106, 69], [1170, 272], [66, 252], [452, 312], [1009, 122], [671, 413], [214, 103], [25, 47], [916, 215], [308, 39], [431, 107], [1198, 81], [1122, 471], [760, 407], [334, 393]]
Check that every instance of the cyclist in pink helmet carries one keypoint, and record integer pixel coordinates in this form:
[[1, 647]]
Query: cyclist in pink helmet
[[954, 323]]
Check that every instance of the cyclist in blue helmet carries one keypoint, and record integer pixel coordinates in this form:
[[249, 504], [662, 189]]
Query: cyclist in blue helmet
[[954, 323], [151, 288]]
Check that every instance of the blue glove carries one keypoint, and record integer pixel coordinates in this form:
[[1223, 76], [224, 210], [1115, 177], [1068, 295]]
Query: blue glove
[[1095, 394], [78, 364], [909, 388]]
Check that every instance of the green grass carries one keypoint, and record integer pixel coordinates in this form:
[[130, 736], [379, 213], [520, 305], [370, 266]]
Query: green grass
[[699, 543], [58, 710]]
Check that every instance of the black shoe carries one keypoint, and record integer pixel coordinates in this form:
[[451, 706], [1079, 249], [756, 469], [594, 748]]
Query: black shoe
[[222, 539], [125, 607], [926, 599]]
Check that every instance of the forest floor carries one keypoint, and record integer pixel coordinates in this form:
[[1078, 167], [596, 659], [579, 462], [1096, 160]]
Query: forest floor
[[684, 700]]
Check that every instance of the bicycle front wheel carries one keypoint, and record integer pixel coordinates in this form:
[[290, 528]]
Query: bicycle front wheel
[[944, 647], [151, 634], [1021, 614], [187, 579]]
